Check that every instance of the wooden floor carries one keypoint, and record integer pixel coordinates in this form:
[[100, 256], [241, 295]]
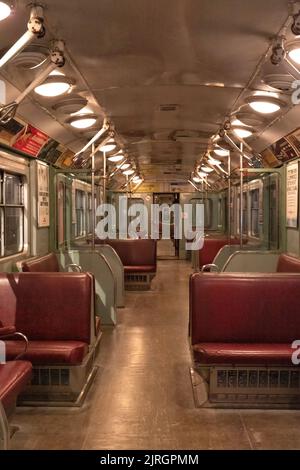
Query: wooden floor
[[142, 396]]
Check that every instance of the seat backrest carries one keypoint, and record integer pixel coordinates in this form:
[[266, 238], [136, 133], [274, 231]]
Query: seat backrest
[[137, 252], [41, 264], [48, 306], [211, 248], [244, 308], [288, 264]]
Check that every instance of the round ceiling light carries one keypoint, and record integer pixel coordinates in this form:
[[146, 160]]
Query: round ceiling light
[[197, 179], [293, 50], [137, 179], [124, 166], [248, 119], [221, 152], [116, 158], [71, 104], [242, 132], [55, 85], [5, 11], [213, 161], [202, 174], [109, 146], [83, 121], [281, 82], [206, 169], [264, 104], [128, 172]]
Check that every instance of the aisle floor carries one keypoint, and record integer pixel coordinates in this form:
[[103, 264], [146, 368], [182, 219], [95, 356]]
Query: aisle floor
[[142, 396]]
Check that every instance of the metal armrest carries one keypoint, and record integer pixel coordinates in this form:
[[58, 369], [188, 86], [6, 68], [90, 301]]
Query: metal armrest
[[74, 267], [23, 337], [210, 268]]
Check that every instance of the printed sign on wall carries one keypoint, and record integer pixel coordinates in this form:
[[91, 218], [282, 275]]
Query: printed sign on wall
[[43, 195], [292, 195]]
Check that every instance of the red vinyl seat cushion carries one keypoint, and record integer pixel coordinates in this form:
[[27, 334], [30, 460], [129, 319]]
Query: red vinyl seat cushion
[[288, 264], [49, 352], [139, 269], [14, 376], [243, 353], [47, 263]]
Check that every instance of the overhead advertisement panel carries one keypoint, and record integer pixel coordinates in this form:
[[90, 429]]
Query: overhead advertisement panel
[[19, 135]]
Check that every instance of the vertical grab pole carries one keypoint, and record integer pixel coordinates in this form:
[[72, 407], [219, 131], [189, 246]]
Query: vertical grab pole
[[93, 198], [104, 177], [229, 198], [241, 197]]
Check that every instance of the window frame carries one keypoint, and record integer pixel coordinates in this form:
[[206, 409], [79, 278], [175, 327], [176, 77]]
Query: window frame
[[4, 206]]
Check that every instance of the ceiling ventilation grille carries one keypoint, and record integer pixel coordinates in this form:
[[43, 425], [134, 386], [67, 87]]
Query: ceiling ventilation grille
[[168, 108]]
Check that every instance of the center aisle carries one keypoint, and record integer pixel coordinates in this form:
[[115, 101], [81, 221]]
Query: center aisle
[[142, 396]]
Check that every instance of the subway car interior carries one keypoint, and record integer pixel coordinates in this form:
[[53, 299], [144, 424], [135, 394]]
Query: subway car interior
[[149, 225]]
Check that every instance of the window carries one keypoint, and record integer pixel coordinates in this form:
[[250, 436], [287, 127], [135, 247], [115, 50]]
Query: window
[[254, 198], [89, 214], [207, 203], [80, 208], [11, 214], [245, 214]]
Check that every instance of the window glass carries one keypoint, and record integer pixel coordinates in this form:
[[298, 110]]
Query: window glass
[[13, 230], [13, 189], [254, 197], [11, 214]]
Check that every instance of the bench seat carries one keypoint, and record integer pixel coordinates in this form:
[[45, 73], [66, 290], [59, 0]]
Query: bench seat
[[14, 376], [243, 353], [49, 352], [242, 329], [288, 264], [140, 269]]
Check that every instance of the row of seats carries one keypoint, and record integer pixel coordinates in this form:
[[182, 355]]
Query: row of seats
[[54, 315], [138, 257], [211, 248], [242, 327]]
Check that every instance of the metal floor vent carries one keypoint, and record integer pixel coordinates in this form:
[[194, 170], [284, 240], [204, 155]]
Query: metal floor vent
[[255, 378], [46, 377], [136, 278]]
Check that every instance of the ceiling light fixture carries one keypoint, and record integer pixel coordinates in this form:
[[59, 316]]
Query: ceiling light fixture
[[293, 50], [265, 104], [214, 161], [128, 172], [197, 179], [55, 85], [137, 179], [242, 132], [123, 166], [35, 29], [109, 146], [221, 152], [202, 174], [206, 169], [83, 121], [5, 11], [116, 158]]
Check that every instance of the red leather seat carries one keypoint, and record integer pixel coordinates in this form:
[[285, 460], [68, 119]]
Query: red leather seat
[[53, 310], [14, 376], [211, 248], [49, 352], [140, 269], [244, 318], [288, 264], [243, 353], [137, 255], [41, 264]]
